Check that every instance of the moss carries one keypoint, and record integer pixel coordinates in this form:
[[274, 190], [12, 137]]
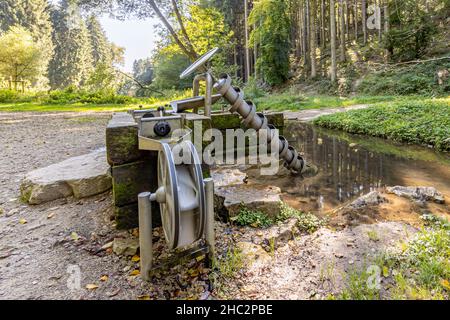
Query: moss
[[25, 194], [225, 121]]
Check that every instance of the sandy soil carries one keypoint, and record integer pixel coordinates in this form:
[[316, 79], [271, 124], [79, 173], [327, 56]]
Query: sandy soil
[[36, 257]]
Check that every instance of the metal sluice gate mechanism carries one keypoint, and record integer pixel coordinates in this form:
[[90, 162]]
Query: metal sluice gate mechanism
[[184, 197]]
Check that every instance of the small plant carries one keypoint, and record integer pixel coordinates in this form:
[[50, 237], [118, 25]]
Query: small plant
[[306, 221], [373, 235], [231, 263], [255, 219], [358, 287]]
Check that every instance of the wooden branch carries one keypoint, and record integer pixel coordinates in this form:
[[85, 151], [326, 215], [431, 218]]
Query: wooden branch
[[171, 30], [138, 82], [183, 29]]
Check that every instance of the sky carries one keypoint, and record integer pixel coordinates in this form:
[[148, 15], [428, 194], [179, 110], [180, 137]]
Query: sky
[[138, 37]]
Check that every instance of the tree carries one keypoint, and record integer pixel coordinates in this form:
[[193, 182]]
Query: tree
[[333, 40], [313, 40], [342, 33], [364, 19], [272, 34], [101, 48], [72, 62], [20, 55], [34, 15]]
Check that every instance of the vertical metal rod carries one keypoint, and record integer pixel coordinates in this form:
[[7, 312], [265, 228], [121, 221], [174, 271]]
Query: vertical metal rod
[[145, 234], [209, 230]]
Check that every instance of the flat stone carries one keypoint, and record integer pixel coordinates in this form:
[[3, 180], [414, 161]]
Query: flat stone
[[373, 198], [228, 177], [81, 176], [125, 246], [231, 199], [417, 193], [254, 254]]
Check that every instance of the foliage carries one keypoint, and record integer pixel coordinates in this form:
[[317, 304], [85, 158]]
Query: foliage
[[411, 30], [253, 89], [20, 55], [255, 219], [421, 122], [231, 263], [34, 16], [306, 222], [206, 29], [271, 35], [416, 79], [72, 63]]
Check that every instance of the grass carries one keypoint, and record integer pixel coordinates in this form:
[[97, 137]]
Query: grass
[[419, 270], [420, 122], [294, 101], [306, 222], [83, 102]]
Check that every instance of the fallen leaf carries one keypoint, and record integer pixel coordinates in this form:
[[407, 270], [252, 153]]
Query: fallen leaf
[[144, 297], [135, 258], [91, 286], [445, 284], [113, 293], [74, 236], [135, 273], [104, 278], [385, 272], [23, 221], [50, 215]]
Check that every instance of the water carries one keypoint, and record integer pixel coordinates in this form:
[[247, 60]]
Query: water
[[352, 165]]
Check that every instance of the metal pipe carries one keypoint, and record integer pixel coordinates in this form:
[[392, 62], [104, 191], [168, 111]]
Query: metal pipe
[[145, 233], [258, 121], [208, 94], [209, 229]]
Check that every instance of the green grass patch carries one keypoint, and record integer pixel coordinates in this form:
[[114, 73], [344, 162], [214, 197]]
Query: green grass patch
[[421, 122], [296, 101], [306, 222], [419, 270]]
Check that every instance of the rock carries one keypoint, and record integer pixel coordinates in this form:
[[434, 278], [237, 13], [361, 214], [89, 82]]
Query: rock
[[81, 176], [108, 245], [254, 254], [125, 246], [228, 177], [230, 200], [373, 198], [417, 193], [279, 235]]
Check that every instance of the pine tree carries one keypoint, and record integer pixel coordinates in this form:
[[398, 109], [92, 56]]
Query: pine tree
[[72, 62], [34, 15], [101, 48]]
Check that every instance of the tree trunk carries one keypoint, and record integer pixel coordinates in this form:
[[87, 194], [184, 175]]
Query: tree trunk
[[355, 11], [306, 34], [342, 19], [247, 53], [322, 24], [182, 28], [333, 40], [313, 39], [191, 54], [364, 20], [386, 30]]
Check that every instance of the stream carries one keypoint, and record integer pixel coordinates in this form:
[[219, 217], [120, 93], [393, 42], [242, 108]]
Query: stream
[[352, 165]]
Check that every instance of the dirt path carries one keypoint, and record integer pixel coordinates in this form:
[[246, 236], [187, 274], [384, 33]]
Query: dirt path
[[309, 115], [36, 257]]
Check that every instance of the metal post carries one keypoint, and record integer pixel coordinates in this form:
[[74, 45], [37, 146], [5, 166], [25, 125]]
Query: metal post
[[145, 234], [209, 230], [209, 81]]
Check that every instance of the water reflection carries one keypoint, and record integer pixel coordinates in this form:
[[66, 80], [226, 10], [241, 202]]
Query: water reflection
[[350, 166]]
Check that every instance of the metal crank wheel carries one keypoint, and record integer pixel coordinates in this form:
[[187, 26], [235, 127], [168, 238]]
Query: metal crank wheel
[[181, 195]]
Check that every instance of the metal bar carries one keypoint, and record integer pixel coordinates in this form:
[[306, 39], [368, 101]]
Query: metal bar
[[209, 230], [180, 257], [145, 234]]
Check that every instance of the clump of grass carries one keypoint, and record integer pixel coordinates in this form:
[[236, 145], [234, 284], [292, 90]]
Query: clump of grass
[[373, 235], [358, 287], [307, 222], [231, 263], [252, 218]]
